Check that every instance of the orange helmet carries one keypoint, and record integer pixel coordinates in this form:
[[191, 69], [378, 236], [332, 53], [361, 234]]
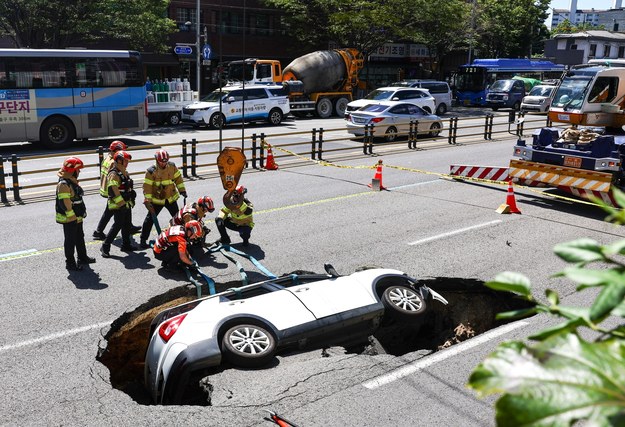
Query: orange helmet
[[161, 156], [117, 146], [241, 190], [195, 228], [72, 164], [206, 203], [122, 155]]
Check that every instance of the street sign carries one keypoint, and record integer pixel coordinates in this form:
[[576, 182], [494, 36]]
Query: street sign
[[207, 51], [183, 50]]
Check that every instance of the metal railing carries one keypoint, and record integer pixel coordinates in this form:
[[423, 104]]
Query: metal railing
[[191, 160]]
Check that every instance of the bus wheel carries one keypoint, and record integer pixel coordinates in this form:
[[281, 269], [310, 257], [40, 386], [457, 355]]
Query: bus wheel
[[57, 132]]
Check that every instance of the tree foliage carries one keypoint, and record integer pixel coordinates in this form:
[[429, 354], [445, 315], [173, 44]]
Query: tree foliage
[[139, 24], [566, 27], [561, 378]]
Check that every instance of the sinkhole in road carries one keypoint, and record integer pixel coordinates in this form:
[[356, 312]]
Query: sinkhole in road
[[471, 311]]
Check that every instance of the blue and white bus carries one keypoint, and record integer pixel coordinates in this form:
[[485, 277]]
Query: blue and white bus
[[472, 80], [55, 96]]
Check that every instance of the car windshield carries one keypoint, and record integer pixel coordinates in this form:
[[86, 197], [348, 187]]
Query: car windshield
[[541, 91], [501, 85], [380, 95], [214, 96], [571, 92]]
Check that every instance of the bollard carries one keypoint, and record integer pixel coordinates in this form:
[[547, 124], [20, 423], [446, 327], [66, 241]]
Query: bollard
[[313, 148], [184, 158], [365, 140], [100, 156], [453, 130], [415, 134], [193, 157], [370, 142], [262, 151], [254, 148], [3, 188], [519, 124], [320, 145], [489, 126], [511, 115], [14, 175], [486, 126]]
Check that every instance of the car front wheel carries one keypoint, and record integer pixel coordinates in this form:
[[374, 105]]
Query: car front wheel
[[403, 303], [275, 116], [390, 135], [248, 346], [435, 129], [216, 121]]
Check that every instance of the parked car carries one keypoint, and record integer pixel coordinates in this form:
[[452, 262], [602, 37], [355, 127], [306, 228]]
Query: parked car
[[262, 103], [539, 99], [419, 97], [247, 326], [438, 89], [391, 119], [507, 93]]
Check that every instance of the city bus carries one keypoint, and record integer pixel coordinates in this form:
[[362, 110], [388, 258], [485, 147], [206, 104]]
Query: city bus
[[54, 96], [472, 80]]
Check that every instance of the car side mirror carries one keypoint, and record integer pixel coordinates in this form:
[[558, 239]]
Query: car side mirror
[[395, 99], [230, 99], [330, 270]]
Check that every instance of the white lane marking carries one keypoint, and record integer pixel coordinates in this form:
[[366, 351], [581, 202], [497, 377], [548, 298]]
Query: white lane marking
[[441, 355], [55, 336], [452, 233], [416, 184], [27, 252]]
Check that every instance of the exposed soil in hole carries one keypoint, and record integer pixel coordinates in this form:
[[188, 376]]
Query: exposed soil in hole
[[471, 311]]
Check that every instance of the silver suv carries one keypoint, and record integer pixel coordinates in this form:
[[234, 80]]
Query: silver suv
[[438, 89]]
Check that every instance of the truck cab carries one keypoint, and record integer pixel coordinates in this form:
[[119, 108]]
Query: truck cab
[[506, 93], [255, 71]]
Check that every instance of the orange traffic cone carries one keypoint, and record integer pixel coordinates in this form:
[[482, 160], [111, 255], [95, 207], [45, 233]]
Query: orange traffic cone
[[271, 164], [510, 205], [376, 182]]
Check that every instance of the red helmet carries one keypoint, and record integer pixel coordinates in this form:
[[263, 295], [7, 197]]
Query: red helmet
[[206, 203], [195, 228], [161, 156], [122, 155], [117, 146], [72, 164], [241, 190]]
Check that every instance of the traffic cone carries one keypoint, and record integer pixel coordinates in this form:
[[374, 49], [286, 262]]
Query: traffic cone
[[376, 182], [510, 205], [271, 164]]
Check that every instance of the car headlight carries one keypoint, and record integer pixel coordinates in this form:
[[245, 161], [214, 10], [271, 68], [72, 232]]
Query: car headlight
[[505, 97]]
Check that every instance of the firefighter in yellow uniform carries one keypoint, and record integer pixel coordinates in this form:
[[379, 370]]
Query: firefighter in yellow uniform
[[105, 168], [121, 199], [239, 219], [162, 188], [70, 211]]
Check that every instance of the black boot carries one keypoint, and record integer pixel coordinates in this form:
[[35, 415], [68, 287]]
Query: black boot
[[105, 250], [72, 266], [86, 260]]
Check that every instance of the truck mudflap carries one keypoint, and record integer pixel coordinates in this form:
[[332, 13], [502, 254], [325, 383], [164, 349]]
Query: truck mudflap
[[578, 182]]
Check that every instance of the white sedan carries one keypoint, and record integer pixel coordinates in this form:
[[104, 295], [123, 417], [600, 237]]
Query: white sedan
[[247, 326], [391, 119]]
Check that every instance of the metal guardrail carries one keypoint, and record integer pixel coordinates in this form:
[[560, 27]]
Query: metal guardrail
[[191, 159]]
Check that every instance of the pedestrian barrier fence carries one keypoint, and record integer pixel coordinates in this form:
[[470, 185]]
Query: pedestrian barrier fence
[[196, 161]]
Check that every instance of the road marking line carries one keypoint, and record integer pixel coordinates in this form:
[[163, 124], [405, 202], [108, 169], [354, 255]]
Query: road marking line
[[441, 355], [452, 233], [55, 336], [18, 254]]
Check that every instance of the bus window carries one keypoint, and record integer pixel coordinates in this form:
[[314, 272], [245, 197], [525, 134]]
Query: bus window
[[604, 90]]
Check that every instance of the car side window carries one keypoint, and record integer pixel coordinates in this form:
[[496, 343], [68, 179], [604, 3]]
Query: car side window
[[413, 110], [237, 95], [256, 94], [399, 109]]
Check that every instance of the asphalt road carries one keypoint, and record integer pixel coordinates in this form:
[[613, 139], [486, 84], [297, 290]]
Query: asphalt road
[[53, 321]]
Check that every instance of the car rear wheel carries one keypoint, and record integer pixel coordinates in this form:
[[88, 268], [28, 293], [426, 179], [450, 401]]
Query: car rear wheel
[[216, 120], [275, 116], [324, 108], [174, 119], [391, 134], [248, 345], [435, 129], [340, 106], [403, 303], [441, 109]]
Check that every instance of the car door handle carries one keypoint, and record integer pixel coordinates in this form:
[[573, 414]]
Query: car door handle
[[302, 289], [236, 302]]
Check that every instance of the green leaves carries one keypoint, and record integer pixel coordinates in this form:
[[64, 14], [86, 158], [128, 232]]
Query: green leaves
[[582, 250], [556, 382], [511, 282]]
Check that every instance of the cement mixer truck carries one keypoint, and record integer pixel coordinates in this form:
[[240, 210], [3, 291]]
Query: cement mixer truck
[[320, 82]]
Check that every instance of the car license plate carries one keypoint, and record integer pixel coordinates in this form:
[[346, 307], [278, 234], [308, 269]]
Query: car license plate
[[573, 162]]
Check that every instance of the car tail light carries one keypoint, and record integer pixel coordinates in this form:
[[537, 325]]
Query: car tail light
[[169, 328], [377, 119]]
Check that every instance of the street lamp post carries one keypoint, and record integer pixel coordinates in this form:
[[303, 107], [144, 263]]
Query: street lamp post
[[197, 47]]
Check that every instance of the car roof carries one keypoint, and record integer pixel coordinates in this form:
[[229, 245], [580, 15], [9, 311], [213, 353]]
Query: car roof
[[400, 88]]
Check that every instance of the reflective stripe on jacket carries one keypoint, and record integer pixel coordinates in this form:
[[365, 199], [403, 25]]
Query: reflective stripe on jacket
[[174, 236], [117, 186], [162, 185], [240, 216]]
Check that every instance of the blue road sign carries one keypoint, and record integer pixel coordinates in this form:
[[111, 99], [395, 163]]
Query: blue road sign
[[207, 51], [183, 50]]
